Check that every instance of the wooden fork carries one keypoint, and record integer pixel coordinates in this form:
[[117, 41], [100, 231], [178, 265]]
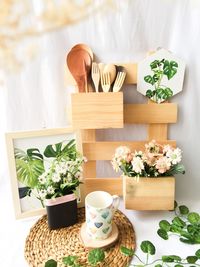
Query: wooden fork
[[95, 76], [119, 81], [105, 81]]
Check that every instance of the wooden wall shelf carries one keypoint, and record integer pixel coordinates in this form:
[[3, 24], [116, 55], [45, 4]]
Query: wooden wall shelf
[[91, 111]]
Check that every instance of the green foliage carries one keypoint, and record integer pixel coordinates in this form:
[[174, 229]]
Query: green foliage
[[147, 247], [95, 256], [163, 234], [58, 150], [51, 263], [193, 218], [126, 251], [191, 259], [160, 68], [183, 210], [29, 166], [71, 261], [164, 225], [186, 224]]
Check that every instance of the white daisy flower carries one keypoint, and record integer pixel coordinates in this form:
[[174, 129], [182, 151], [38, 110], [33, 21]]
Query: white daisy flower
[[42, 178], [56, 177], [42, 193], [50, 190]]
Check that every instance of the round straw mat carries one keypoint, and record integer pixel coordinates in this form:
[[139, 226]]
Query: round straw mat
[[43, 244]]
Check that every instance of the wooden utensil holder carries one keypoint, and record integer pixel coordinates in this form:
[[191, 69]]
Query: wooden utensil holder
[[97, 110], [86, 109]]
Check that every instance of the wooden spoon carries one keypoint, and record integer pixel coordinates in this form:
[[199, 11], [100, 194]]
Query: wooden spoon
[[79, 64], [83, 47]]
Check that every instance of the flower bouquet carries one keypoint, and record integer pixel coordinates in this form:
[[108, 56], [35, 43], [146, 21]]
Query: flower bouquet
[[148, 182], [156, 160]]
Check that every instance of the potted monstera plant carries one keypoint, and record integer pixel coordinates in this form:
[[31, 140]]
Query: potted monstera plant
[[148, 182], [53, 183]]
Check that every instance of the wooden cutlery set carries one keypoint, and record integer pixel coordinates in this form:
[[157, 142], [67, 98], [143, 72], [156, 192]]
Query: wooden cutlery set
[[105, 77]]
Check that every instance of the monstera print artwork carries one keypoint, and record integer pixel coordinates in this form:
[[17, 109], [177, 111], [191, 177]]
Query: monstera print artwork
[[160, 76]]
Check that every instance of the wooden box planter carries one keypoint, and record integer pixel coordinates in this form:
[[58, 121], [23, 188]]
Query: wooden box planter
[[97, 110], [149, 193]]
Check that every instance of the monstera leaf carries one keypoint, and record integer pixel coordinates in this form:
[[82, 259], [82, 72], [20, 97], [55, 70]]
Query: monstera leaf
[[61, 150], [170, 68], [29, 166]]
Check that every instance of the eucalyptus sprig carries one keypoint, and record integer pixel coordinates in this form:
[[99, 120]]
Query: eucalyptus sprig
[[165, 261], [185, 224]]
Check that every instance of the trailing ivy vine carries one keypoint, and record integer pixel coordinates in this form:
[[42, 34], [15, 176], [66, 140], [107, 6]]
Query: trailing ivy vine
[[185, 224]]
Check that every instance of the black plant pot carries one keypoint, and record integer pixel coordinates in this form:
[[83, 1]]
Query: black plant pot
[[63, 214]]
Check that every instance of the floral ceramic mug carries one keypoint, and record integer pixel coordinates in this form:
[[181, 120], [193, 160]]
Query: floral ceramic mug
[[100, 208]]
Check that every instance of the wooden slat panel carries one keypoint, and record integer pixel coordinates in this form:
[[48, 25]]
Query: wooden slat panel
[[97, 111], [131, 74], [149, 193], [110, 185], [150, 113], [89, 168], [105, 150], [157, 131]]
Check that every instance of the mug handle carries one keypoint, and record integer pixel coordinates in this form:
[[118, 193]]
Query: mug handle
[[116, 201]]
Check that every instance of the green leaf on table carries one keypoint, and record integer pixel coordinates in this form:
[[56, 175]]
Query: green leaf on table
[[175, 229], [149, 79], [51, 263], [163, 234], [197, 253], [178, 265], [147, 247], [191, 259], [183, 210], [158, 265], [193, 217], [171, 258], [165, 225], [70, 260], [96, 255], [178, 222], [126, 251], [187, 241], [167, 259]]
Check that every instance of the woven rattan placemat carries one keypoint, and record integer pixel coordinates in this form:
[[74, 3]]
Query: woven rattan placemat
[[43, 244]]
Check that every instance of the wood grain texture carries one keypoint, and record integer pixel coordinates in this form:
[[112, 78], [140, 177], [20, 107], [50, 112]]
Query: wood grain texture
[[89, 167], [106, 150], [131, 74], [110, 185], [157, 131], [97, 110], [149, 193], [150, 113]]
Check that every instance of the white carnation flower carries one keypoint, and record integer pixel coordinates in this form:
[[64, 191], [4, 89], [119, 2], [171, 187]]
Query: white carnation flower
[[137, 164], [174, 155]]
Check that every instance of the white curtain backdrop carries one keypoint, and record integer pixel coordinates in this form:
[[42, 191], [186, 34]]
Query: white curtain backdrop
[[37, 97]]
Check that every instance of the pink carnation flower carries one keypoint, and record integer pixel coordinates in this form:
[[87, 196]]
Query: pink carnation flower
[[163, 164]]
